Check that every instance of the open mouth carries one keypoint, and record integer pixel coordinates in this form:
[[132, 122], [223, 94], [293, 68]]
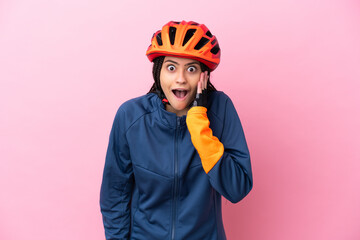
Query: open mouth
[[180, 93]]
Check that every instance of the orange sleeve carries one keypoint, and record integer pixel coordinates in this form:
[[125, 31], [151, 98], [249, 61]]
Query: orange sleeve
[[209, 147]]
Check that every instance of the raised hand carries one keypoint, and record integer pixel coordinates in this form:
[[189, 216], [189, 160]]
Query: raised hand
[[201, 94]]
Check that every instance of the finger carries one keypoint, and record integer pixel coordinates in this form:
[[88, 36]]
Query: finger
[[199, 84], [202, 82], [206, 79]]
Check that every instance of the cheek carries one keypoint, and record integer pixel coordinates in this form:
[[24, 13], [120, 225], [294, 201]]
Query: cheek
[[163, 82], [194, 81], [194, 88]]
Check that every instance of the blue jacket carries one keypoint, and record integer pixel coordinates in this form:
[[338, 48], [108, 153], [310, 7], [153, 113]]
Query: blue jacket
[[154, 186]]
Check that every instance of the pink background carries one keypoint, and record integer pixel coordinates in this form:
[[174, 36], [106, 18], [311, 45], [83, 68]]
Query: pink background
[[292, 69]]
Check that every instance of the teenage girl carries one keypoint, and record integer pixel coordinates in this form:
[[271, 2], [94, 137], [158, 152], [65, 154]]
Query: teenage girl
[[174, 152]]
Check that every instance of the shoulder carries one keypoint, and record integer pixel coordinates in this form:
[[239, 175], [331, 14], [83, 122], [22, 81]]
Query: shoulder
[[144, 103], [220, 106], [217, 97], [133, 109], [218, 101]]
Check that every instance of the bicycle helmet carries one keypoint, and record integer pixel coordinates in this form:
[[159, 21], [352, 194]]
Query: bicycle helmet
[[185, 39]]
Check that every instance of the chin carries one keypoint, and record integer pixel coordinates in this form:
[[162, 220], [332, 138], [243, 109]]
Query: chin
[[180, 109]]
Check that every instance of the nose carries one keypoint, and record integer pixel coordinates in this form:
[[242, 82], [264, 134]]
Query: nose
[[181, 78]]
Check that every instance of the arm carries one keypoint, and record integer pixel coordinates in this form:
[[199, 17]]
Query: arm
[[116, 187], [226, 162]]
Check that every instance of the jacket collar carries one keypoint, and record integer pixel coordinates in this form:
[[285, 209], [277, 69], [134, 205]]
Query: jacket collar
[[168, 118]]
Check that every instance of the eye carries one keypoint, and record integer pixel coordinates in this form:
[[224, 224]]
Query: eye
[[192, 69], [171, 68]]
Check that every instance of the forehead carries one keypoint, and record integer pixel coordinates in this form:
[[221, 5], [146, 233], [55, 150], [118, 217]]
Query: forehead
[[181, 61]]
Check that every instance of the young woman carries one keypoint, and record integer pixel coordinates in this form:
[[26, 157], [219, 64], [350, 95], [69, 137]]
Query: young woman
[[175, 151]]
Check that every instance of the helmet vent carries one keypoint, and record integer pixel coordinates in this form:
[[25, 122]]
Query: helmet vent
[[208, 33], [213, 41], [194, 24], [188, 35], [172, 32], [158, 39], [201, 43], [215, 49]]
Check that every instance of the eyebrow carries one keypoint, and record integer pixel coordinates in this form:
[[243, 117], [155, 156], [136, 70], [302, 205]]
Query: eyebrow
[[190, 63]]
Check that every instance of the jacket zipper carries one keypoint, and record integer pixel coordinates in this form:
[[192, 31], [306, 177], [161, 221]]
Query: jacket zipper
[[175, 179]]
